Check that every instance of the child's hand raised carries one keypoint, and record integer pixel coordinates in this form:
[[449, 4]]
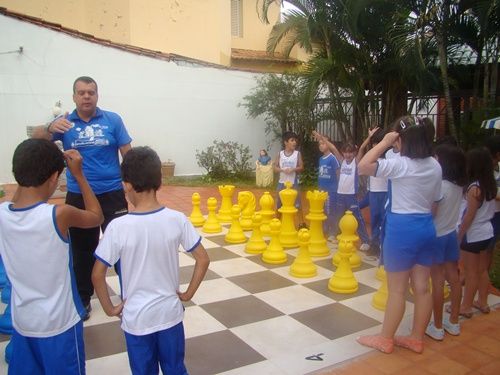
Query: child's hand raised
[[372, 131], [390, 138], [73, 162]]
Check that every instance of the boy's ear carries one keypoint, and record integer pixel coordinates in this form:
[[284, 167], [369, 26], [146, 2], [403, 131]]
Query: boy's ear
[[54, 177], [127, 186]]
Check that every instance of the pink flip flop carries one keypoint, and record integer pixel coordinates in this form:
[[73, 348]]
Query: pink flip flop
[[381, 343], [410, 343]]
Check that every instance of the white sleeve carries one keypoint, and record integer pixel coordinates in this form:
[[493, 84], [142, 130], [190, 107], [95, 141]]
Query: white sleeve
[[190, 237], [109, 249], [391, 168]]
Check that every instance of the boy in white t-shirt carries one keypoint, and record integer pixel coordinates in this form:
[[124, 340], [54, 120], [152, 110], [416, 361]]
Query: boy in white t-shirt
[[146, 242]]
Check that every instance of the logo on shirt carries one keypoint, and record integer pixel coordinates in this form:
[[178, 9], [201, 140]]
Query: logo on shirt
[[90, 135]]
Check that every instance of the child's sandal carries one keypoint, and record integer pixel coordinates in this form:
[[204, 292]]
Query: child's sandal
[[483, 309], [381, 343], [410, 343]]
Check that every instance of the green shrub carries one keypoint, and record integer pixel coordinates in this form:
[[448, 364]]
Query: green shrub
[[225, 159]]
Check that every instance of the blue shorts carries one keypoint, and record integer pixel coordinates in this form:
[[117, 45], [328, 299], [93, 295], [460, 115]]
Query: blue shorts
[[60, 354], [163, 347], [447, 249], [409, 240]]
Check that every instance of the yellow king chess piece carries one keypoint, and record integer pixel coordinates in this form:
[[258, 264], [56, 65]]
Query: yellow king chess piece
[[266, 203], [196, 217], [256, 243], [246, 201], [288, 234], [316, 216], [235, 233], [274, 253], [343, 280], [212, 224], [224, 214], [303, 265], [348, 226]]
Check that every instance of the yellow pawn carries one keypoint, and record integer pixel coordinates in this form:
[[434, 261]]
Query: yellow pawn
[[274, 253], [267, 212], [303, 266], [348, 226], [256, 243], [288, 233], [343, 280], [235, 233], [379, 300], [224, 214], [196, 216], [212, 224], [380, 274], [246, 201]]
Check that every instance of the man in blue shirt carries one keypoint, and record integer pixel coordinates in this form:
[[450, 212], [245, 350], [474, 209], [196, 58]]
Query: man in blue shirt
[[99, 136]]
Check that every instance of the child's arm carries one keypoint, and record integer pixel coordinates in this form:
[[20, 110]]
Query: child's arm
[[68, 216], [276, 164], [101, 289], [200, 268], [368, 164], [362, 148], [334, 150], [473, 204]]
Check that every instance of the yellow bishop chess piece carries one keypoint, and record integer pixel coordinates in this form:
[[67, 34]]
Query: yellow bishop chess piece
[[303, 265], [316, 216], [343, 280], [266, 203], [348, 226], [256, 243], [224, 214], [288, 234], [196, 217], [212, 224], [274, 253], [235, 233]]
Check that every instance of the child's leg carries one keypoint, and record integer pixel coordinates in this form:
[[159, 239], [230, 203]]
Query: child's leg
[[437, 276], [171, 344], [354, 207], [451, 271], [142, 353], [485, 258], [423, 300], [397, 285], [471, 271]]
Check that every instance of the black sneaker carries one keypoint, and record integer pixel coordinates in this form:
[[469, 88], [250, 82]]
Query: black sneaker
[[88, 309], [303, 226]]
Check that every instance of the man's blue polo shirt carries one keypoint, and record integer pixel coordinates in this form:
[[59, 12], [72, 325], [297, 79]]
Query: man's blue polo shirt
[[98, 141]]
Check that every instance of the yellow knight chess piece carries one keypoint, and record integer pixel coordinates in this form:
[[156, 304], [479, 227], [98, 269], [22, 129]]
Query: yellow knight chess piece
[[343, 280], [246, 201], [224, 214], [316, 216], [256, 243], [274, 253], [235, 233], [266, 203], [196, 217], [303, 266], [348, 226], [288, 234], [212, 224]]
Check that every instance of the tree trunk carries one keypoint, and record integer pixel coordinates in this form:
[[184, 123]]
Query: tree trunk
[[443, 65]]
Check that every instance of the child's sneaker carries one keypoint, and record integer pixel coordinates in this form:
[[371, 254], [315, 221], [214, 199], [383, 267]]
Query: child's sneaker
[[364, 247], [451, 328], [434, 332]]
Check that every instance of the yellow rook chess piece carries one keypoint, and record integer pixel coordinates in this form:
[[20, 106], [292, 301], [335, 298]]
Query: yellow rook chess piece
[[235, 233], [212, 224], [316, 216], [343, 280], [274, 253], [224, 214], [256, 243], [348, 226], [288, 234], [196, 216], [303, 266], [266, 203]]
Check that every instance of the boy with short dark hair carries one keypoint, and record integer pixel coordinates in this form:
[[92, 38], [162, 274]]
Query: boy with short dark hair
[[35, 247], [146, 242]]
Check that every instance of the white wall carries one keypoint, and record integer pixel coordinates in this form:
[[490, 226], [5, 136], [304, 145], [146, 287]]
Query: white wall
[[175, 109]]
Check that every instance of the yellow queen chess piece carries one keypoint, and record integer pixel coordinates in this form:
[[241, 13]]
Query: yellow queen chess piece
[[196, 217], [303, 266], [246, 201], [343, 280], [288, 234], [316, 216], [348, 226], [274, 253], [235, 233], [256, 243], [266, 203], [224, 214], [212, 224]]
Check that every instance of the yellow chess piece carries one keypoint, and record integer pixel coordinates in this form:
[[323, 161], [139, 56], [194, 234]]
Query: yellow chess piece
[[379, 300], [196, 217], [343, 280], [316, 216], [256, 243], [266, 203], [348, 226], [235, 233], [303, 266], [288, 234], [380, 274], [224, 214], [274, 253], [246, 201], [212, 224]]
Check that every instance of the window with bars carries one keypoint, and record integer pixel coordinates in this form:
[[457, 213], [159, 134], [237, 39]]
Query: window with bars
[[237, 18]]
